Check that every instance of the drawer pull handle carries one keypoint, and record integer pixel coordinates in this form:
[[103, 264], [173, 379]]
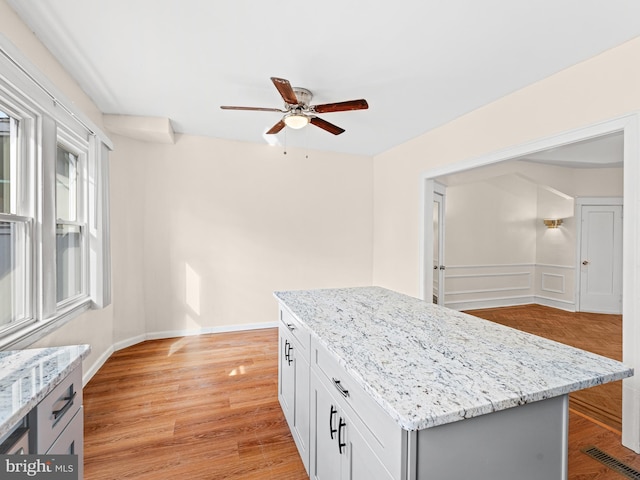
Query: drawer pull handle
[[291, 327], [332, 430], [59, 413], [341, 389], [341, 444]]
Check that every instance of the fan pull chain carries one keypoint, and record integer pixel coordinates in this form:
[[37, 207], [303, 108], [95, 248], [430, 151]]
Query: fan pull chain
[[306, 146], [285, 141]]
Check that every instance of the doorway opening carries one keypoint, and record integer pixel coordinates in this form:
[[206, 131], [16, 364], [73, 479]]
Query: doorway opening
[[627, 128]]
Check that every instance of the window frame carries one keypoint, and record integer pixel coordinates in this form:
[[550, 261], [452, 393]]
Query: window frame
[[80, 149], [22, 205]]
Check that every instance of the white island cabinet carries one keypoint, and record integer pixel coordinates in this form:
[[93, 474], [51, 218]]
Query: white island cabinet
[[389, 387], [293, 380]]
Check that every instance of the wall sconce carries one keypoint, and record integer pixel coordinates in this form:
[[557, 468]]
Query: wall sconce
[[552, 223]]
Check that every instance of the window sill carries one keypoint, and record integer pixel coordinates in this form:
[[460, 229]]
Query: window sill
[[32, 333]]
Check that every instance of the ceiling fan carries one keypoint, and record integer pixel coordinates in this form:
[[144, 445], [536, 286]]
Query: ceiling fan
[[298, 112]]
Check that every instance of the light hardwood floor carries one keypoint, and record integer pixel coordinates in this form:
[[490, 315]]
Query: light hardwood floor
[[206, 407]]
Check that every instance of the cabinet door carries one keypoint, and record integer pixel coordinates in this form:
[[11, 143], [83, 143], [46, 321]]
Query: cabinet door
[[326, 461], [362, 462], [300, 427], [287, 379]]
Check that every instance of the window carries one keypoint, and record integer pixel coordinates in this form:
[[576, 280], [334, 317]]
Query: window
[[53, 209], [70, 228], [14, 231]]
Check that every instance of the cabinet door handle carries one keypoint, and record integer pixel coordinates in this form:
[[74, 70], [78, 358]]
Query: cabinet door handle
[[332, 430], [69, 402], [341, 444], [286, 350], [291, 327], [290, 358], [343, 391]]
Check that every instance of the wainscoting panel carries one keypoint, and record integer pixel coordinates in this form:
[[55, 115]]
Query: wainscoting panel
[[485, 286], [555, 286], [489, 286]]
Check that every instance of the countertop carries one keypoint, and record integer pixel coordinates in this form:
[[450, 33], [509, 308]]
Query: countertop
[[27, 376], [427, 365]]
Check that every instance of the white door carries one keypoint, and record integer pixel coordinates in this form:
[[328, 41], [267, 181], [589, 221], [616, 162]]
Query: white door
[[601, 259], [438, 248]]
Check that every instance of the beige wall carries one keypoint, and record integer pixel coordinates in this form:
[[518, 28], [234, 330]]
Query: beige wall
[[601, 88], [225, 223]]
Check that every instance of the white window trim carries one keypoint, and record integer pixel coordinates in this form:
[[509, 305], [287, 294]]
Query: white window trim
[[52, 117]]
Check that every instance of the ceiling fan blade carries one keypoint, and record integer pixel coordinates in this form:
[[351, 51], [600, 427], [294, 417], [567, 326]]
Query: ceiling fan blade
[[258, 109], [276, 128], [286, 90], [360, 104], [329, 127]]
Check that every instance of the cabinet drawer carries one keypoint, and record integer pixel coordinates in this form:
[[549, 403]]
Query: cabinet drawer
[[57, 409], [71, 441], [298, 331], [380, 431]]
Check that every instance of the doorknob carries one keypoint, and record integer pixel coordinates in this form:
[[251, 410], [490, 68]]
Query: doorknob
[[585, 262], [441, 267]]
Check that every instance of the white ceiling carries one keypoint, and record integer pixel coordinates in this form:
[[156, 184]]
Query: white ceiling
[[419, 63]]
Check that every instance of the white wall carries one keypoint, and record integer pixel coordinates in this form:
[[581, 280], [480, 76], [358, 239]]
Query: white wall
[[490, 242], [498, 250]]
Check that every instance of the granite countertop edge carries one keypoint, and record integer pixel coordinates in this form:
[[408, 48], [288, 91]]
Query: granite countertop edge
[[8, 423], [421, 420]]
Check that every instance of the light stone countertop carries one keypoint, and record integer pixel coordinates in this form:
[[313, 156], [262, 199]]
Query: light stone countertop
[[27, 376], [427, 365]]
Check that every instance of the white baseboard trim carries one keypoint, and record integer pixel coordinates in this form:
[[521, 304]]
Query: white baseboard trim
[[92, 370], [490, 303], [555, 303], [128, 342], [207, 330], [512, 302]]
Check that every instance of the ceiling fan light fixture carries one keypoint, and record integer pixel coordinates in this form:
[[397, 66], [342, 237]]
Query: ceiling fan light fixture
[[296, 120]]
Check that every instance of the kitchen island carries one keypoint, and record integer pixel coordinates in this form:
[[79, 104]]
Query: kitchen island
[[428, 392]]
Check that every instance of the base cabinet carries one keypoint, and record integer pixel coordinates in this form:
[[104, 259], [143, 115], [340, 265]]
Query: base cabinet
[[339, 450], [293, 382]]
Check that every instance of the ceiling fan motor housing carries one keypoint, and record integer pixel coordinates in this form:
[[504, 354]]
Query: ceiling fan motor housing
[[303, 95]]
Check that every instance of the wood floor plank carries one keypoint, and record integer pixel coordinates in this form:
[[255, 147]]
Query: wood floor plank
[[184, 408]]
